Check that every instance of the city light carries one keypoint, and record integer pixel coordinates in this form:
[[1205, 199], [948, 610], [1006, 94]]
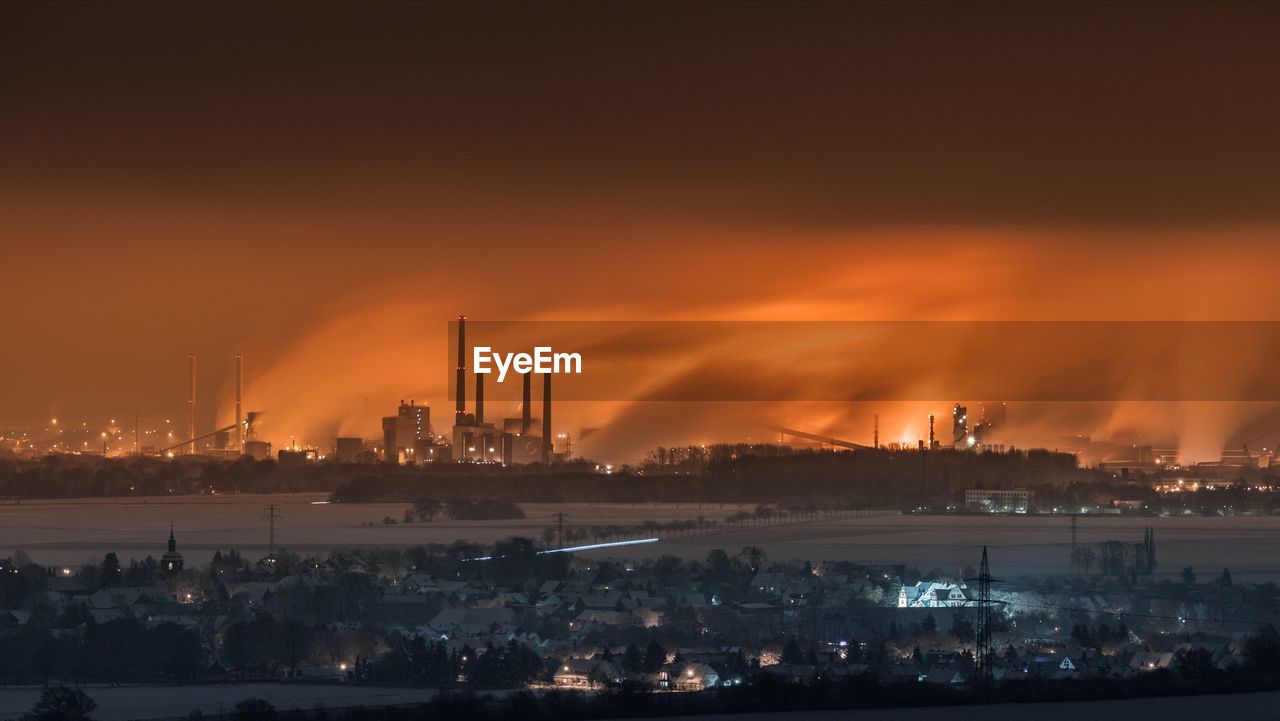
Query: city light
[[551, 357]]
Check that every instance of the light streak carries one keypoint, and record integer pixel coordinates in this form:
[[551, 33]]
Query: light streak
[[594, 546], [588, 547]]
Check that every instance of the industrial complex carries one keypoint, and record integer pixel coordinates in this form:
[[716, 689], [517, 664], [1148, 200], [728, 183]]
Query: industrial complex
[[408, 436]]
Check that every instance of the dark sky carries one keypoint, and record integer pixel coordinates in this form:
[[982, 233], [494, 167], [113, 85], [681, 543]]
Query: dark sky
[[219, 176], [836, 112]]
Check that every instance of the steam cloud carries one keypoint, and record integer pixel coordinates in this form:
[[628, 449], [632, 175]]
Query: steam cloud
[[339, 375]]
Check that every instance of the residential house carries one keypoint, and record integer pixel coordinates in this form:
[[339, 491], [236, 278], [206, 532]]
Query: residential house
[[586, 673]]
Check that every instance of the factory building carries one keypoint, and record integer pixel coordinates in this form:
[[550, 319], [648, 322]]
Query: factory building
[[479, 441], [297, 456], [991, 419], [519, 426], [473, 439], [401, 432], [1013, 500], [960, 437], [257, 450], [348, 450], [979, 436], [994, 414], [427, 450]]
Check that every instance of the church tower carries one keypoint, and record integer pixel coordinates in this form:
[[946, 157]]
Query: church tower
[[172, 560]]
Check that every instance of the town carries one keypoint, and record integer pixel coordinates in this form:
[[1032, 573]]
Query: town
[[573, 361], [521, 615]]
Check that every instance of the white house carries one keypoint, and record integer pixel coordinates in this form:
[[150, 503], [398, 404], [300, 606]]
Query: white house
[[586, 673], [685, 677], [931, 594]]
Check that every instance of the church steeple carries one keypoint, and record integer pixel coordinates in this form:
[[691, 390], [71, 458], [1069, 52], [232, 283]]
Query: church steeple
[[172, 561]]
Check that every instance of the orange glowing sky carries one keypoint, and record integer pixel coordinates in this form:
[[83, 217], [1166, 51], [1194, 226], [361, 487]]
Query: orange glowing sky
[[322, 187]]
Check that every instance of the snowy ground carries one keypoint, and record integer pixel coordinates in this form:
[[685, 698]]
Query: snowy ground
[[1184, 708], [68, 532], [165, 702], [118, 703]]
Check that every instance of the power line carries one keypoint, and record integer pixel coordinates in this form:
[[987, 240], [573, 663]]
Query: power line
[[272, 512], [1147, 596]]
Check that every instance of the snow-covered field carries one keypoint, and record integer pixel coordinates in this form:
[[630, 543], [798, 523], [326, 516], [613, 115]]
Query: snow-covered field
[[1182, 708], [169, 702], [118, 703], [68, 532]]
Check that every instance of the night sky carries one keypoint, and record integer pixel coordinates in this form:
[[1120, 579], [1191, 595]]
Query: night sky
[[323, 186]]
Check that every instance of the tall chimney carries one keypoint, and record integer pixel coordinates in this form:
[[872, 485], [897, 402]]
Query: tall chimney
[[479, 399], [875, 438], [525, 414], [191, 406], [546, 419], [239, 395], [390, 447], [930, 431], [461, 382]]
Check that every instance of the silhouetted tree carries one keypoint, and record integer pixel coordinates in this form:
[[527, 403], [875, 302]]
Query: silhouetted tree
[[929, 624], [1194, 663], [791, 652], [1263, 649], [962, 628], [754, 556], [427, 508], [109, 572], [655, 656], [59, 703], [633, 659]]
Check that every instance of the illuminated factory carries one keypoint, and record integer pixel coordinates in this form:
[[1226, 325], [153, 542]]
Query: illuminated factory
[[979, 436], [476, 440], [233, 441], [406, 436]]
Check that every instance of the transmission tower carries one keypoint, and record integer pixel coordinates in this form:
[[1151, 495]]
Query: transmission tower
[[271, 512], [984, 666]]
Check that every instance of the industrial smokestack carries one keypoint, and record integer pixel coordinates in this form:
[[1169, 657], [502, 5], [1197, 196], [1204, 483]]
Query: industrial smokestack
[[930, 431], [546, 418], [525, 419], [390, 448], [191, 406], [875, 437], [479, 399], [239, 397], [461, 381]]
